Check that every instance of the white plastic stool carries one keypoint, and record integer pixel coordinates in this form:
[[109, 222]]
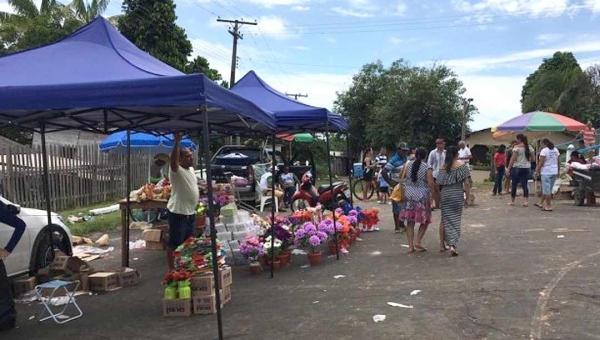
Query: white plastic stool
[[58, 287]]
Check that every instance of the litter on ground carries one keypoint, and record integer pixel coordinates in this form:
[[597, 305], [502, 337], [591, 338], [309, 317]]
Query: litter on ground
[[339, 276], [378, 318], [394, 304], [415, 292]]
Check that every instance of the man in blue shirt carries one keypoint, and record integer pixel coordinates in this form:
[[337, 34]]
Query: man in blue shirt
[[391, 173]]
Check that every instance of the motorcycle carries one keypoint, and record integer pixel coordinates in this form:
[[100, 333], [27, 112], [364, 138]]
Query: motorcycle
[[303, 199]]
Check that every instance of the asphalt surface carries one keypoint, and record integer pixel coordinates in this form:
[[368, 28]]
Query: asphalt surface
[[516, 278]]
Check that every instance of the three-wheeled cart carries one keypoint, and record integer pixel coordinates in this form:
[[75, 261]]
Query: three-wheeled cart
[[588, 185]]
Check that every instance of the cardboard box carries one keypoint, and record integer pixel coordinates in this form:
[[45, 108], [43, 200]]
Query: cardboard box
[[59, 263], [128, 277], [104, 282], [226, 277], [24, 285], [152, 235], [202, 285], [208, 304], [155, 245], [177, 307]]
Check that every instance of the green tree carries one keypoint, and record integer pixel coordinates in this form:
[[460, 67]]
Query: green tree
[[150, 24], [31, 26], [554, 85], [88, 11], [201, 65], [402, 103], [356, 104]]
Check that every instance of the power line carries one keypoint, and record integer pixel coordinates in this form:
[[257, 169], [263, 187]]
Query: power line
[[235, 32]]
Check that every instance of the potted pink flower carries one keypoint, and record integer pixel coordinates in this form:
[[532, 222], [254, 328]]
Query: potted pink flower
[[307, 236]]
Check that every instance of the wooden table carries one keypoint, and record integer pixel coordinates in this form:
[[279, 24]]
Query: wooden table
[[152, 204]]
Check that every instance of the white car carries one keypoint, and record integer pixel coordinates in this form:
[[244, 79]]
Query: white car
[[34, 250]]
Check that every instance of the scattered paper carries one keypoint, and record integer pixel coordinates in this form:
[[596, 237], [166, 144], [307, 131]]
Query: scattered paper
[[59, 301], [415, 292], [560, 236], [305, 266], [378, 318], [91, 250], [375, 253], [139, 244], [103, 241], [394, 304], [31, 317], [404, 245], [135, 258], [315, 301], [298, 252], [339, 276]]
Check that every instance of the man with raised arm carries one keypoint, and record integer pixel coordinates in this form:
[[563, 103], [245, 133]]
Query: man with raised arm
[[184, 198]]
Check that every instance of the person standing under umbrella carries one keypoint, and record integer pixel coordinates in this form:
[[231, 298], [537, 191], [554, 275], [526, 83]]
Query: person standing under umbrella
[[548, 168], [522, 156], [184, 198]]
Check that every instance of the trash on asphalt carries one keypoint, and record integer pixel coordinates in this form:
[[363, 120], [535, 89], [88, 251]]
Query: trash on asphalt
[[560, 236], [27, 297], [394, 304], [315, 301], [415, 292], [378, 318], [305, 266], [404, 245], [91, 250], [339, 276], [139, 244]]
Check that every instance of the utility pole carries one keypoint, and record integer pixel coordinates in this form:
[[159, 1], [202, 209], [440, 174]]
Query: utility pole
[[235, 32], [296, 95], [466, 104]]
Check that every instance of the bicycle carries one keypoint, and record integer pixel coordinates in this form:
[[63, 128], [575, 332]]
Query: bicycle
[[358, 188]]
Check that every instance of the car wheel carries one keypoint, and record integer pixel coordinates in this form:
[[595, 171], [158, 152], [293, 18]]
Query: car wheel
[[43, 255]]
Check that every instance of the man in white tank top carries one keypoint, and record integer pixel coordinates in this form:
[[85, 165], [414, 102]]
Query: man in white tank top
[[184, 198]]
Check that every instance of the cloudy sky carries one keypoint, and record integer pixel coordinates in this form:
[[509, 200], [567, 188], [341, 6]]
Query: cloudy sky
[[314, 47]]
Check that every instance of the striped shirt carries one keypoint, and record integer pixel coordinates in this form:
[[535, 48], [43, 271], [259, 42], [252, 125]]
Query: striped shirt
[[381, 160], [589, 136]]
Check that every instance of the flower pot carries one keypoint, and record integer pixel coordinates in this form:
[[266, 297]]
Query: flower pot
[[276, 264], [315, 259], [170, 293], [184, 290], [283, 259], [200, 220], [255, 268], [332, 248]]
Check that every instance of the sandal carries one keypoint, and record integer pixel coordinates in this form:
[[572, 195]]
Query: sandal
[[420, 248], [539, 205], [547, 209], [453, 252]]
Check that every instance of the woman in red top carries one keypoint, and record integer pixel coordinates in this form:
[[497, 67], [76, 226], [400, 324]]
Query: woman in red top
[[500, 164]]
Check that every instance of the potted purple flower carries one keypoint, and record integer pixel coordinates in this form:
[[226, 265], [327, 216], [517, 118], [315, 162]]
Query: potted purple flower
[[253, 250], [307, 236]]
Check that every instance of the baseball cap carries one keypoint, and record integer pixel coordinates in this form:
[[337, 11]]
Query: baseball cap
[[403, 146]]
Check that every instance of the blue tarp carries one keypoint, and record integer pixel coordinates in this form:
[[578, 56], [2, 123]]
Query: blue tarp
[[148, 143], [96, 78], [291, 115]]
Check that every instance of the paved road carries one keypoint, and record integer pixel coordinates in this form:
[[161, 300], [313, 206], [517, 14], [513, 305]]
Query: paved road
[[514, 279]]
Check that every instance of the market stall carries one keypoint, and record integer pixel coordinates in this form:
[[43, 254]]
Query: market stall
[[97, 80]]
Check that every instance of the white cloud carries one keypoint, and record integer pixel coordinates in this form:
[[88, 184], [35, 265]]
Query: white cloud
[[395, 41], [273, 3], [301, 8], [400, 8], [466, 65], [496, 97], [593, 5], [301, 48], [347, 12], [535, 8], [273, 26], [5, 7], [548, 37]]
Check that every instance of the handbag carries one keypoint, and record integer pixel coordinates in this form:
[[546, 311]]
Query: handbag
[[398, 193]]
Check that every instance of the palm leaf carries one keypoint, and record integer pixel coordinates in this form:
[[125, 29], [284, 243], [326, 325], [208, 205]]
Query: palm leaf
[[26, 8]]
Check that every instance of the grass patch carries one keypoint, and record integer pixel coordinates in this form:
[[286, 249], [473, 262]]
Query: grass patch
[[101, 223]]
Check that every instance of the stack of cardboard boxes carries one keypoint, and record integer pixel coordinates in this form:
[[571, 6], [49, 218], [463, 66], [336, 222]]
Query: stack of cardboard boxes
[[155, 238], [204, 300], [72, 268]]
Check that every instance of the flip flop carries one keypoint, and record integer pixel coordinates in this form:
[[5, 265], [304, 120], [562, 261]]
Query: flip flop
[[539, 205], [547, 209], [420, 248]]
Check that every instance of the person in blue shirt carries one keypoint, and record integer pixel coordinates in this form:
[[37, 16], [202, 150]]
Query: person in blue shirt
[[391, 173], [8, 313]]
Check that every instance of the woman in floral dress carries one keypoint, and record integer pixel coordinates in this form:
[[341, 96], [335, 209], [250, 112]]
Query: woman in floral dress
[[417, 195]]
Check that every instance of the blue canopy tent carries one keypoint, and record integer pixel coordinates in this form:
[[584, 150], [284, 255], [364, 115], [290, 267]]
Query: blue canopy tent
[[291, 115], [96, 80], [146, 142]]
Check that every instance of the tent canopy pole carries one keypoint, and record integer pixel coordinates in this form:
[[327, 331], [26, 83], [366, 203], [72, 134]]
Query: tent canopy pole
[[333, 203], [211, 219], [46, 184]]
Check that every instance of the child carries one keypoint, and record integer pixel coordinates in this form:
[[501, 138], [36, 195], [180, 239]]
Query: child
[[384, 190]]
